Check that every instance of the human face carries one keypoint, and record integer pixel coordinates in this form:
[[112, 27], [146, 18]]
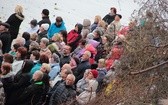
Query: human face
[[104, 40], [69, 80], [66, 50], [2, 28], [42, 45], [63, 74], [90, 75], [18, 54], [32, 57], [43, 69], [85, 57]]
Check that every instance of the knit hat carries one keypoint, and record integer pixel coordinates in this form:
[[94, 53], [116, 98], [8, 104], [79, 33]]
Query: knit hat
[[45, 26], [45, 12], [94, 72], [5, 24], [33, 22]]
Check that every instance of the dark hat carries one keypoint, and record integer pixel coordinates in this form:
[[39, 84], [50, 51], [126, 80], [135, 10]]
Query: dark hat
[[45, 12], [5, 24], [33, 22], [120, 16]]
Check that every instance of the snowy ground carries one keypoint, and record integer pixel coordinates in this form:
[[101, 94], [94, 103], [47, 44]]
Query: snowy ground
[[72, 11]]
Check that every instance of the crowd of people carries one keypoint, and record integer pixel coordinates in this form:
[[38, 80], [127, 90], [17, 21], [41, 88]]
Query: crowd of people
[[49, 66]]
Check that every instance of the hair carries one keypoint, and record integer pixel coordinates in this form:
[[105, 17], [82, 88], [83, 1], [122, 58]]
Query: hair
[[59, 19], [45, 40], [34, 45], [99, 33], [55, 57], [16, 46], [67, 66], [64, 35], [114, 9], [47, 67], [20, 40], [102, 23], [97, 17], [83, 42], [40, 75], [8, 58], [26, 36], [44, 58], [67, 72], [33, 37], [36, 53], [120, 16], [57, 37], [7, 67], [73, 77], [102, 62], [88, 53], [23, 52], [18, 9]]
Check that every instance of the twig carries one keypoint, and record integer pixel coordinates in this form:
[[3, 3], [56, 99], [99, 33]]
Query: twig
[[148, 69]]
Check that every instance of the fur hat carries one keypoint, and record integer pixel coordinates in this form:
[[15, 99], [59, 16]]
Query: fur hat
[[45, 26], [45, 12], [5, 24], [94, 72]]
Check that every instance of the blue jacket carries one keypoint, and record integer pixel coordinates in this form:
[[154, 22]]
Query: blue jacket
[[54, 29], [55, 69]]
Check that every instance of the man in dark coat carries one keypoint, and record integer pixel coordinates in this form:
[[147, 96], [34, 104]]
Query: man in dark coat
[[45, 17], [5, 37], [65, 92], [110, 17], [81, 68]]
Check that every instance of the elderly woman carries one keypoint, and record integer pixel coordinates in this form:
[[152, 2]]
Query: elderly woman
[[15, 21]]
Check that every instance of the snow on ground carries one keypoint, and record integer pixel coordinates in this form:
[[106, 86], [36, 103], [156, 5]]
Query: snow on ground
[[72, 11]]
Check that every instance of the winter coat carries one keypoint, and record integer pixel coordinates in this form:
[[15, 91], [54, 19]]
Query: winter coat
[[55, 29], [55, 69], [44, 20], [31, 94], [64, 60], [42, 35], [109, 18], [15, 21], [81, 85], [89, 94], [46, 51], [2, 94], [16, 66], [73, 39], [62, 94], [56, 79], [5, 37], [79, 72], [93, 26]]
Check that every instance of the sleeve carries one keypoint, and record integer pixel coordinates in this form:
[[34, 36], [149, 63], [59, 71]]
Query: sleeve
[[10, 19], [49, 31]]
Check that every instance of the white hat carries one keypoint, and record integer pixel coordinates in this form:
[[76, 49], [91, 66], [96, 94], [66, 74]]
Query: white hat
[[45, 26]]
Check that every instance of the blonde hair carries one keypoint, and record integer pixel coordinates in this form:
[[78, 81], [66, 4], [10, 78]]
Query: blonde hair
[[47, 67], [57, 37], [97, 18], [18, 9], [33, 37], [102, 62], [102, 23]]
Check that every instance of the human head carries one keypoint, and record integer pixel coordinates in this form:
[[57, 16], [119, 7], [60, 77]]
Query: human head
[[20, 40], [59, 20], [82, 43], [54, 58], [19, 9], [8, 58], [43, 59], [64, 73], [70, 79], [97, 19], [66, 50], [101, 63], [86, 23], [64, 35], [26, 36], [86, 55], [33, 36], [6, 68], [44, 43], [57, 38], [92, 74], [66, 66], [33, 23], [86, 73], [21, 53], [4, 27], [118, 17], [35, 55], [34, 46], [44, 27], [37, 76], [97, 33], [78, 28], [45, 68], [113, 10], [45, 12]]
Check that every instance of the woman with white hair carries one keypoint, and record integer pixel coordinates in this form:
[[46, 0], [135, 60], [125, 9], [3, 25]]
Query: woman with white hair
[[15, 21]]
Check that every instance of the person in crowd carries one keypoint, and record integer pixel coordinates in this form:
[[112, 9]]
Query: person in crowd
[[18, 62], [2, 94], [110, 17], [7, 58], [44, 49], [55, 67], [101, 73], [89, 94], [79, 72], [102, 27], [26, 36], [15, 21], [64, 35], [86, 28], [43, 59], [45, 17], [65, 92], [34, 37], [74, 36], [42, 32], [33, 27], [32, 94], [6, 77], [20, 40], [97, 35], [5, 37], [21, 81], [34, 46], [97, 19], [66, 57], [56, 27], [14, 49], [117, 22], [35, 55]]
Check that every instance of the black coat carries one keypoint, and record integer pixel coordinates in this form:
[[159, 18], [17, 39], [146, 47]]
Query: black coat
[[63, 94], [5, 37], [64, 60], [108, 18], [31, 94], [42, 35], [44, 20], [79, 71], [15, 21]]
